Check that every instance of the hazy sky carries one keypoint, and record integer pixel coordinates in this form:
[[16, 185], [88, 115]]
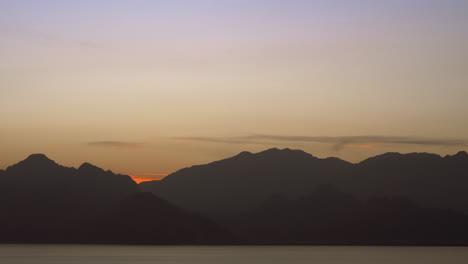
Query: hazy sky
[[153, 86]]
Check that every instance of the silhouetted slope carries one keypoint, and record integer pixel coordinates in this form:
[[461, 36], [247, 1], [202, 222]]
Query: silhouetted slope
[[243, 181], [46, 202], [43, 202], [428, 179], [145, 219], [272, 197], [267, 197], [41, 178], [328, 216], [100, 185]]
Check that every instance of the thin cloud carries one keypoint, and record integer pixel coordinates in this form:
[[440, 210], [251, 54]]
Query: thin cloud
[[228, 140], [337, 142], [340, 142], [117, 144]]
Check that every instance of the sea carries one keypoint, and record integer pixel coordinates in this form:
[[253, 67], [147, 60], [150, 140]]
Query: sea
[[100, 254]]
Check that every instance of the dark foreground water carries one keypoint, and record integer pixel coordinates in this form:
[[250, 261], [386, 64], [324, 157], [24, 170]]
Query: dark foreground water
[[38, 254]]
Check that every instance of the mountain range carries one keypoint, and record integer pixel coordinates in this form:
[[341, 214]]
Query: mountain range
[[43, 202], [271, 197], [244, 181]]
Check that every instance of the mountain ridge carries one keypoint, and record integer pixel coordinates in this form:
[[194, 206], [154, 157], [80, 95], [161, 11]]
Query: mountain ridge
[[272, 197], [295, 172], [48, 203]]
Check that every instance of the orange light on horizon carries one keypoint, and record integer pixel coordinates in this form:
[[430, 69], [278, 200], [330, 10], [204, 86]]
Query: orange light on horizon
[[144, 176], [140, 179]]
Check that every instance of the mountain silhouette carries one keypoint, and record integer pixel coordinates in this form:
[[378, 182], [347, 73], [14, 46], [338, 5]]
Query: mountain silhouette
[[44, 202], [329, 216], [40, 177], [271, 197], [244, 181], [428, 179], [146, 219]]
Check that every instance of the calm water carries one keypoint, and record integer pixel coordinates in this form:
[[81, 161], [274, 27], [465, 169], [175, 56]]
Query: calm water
[[38, 254]]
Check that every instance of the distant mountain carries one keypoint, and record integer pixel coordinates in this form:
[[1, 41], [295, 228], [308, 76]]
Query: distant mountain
[[329, 216], [428, 179], [272, 197], [43, 202], [244, 181], [38, 176]]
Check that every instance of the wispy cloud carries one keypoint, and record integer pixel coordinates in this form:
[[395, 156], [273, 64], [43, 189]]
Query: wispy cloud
[[337, 142], [228, 140], [340, 142], [118, 144]]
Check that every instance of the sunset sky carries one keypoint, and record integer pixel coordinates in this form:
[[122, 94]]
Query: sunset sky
[[149, 87]]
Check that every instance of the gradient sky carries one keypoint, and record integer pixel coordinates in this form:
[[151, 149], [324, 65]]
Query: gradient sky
[[153, 86]]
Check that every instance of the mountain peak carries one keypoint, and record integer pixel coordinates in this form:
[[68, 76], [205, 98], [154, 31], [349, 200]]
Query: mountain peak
[[243, 154], [461, 155], [34, 162], [37, 159], [396, 157], [272, 150], [277, 150], [88, 167], [286, 152]]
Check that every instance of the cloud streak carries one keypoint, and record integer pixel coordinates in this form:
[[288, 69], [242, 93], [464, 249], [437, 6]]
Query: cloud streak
[[228, 140], [337, 142], [117, 144]]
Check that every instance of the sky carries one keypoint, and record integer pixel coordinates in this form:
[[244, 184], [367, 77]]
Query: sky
[[149, 87]]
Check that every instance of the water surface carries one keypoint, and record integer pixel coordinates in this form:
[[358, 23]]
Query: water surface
[[82, 254]]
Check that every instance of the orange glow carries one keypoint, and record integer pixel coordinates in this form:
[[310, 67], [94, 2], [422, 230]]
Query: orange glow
[[141, 179], [144, 176]]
